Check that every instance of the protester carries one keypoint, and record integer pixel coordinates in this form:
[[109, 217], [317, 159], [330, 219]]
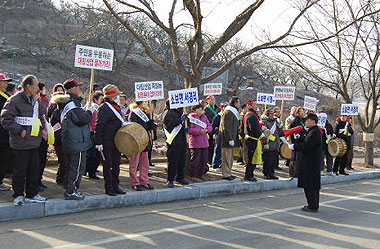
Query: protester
[[290, 118], [44, 142], [11, 89], [329, 131], [242, 160], [22, 118], [350, 150], [4, 135], [198, 142], [252, 135], [280, 126], [140, 114], [92, 155], [108, 121], [344, 131], [217, 153], [296, 138], [174, 124], [229, 136], [211, 110], [76, 139], [309, 174]]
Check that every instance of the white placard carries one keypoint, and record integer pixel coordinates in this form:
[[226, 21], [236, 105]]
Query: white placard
[[183, 98], [149, 90], [284, 92], [322, 118], [94, 58], [349, 109], [213, 89], [265, 99], [310, 103]]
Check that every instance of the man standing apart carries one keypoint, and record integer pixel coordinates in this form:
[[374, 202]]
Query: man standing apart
[[4, 135], [76, 139], [229, 136], [309, 172], [22, 117]]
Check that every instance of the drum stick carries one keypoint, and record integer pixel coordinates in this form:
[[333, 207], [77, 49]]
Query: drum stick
[[102, 154], [151, 117], [91, 86]]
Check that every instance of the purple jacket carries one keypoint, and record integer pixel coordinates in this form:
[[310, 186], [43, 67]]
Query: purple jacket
[[196, 139]]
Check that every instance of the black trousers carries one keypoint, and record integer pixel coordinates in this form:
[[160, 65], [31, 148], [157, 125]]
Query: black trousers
[[340, 163], [76, 168], [42, 151], [176, 162], [26, 172], [62, 163], [4, 162], [111, 168], [251, 145], [269, 164], [211, 146], [312, 198], [92, 160]]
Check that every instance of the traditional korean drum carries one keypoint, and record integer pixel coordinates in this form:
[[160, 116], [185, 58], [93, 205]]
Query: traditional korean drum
[[285, 152], [131, 139], [337, 147]]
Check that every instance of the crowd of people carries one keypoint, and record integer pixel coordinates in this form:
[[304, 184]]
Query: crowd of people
[[83, 137]]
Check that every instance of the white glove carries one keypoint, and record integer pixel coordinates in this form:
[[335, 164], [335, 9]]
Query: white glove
[[99, 147], [291, 146], [342, 130], [334, 136], [266, 146], [264, 128], [262, 135], [231, 143], [214, 136], [328, 137], [124, 123], [296, 136], [284, 140]]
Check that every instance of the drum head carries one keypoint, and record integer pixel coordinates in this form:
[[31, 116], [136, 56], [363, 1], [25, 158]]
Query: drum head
[[131, 139], [285, 152], [333, 148]]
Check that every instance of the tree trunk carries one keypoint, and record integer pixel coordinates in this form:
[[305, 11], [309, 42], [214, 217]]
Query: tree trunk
[[368, 152]]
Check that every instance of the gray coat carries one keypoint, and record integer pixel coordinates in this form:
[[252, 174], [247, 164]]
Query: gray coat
[[273, 145], [20, 105]]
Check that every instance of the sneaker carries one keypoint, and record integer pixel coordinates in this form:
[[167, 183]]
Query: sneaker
[[170, 184], [4, 187], [216, 170], [18, 201], [147, 186], [35, 199], [322, 173], [330, 173], [77, 196]]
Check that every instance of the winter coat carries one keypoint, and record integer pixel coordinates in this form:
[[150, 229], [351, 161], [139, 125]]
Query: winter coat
[[4, 134], [229, 129], [210, 114], [340, 133], [215, 127], [300, 136], [107, 124], [273, 145], [172, 118], [196, 139], [57, 103], [20, 105], [311, 148], [76, 136], [252, 125], [148, 126]]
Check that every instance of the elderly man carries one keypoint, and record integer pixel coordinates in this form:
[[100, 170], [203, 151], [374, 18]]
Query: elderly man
[[309, 172], [22, 117], [4, 135]]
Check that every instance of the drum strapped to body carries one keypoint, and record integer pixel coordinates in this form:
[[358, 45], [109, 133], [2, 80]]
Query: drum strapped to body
[[337, 147], [131, 139], [285, 152]]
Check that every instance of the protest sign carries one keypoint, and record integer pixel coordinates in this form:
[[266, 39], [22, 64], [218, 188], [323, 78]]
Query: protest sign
[[310, 103], [265, 99], [93, 58], [183, 98], [149, 90], [349, 109], [212, 89], [322, 118], [284, 92]]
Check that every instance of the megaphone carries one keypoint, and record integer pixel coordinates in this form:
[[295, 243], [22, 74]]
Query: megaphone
[[294, 130]]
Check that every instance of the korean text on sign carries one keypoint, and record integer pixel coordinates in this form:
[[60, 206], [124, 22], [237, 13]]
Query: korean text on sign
[[94, 58], [284, 92], [149, 90], [213, 89], [310, 103], [183, 98], [349, 109], [266, 99], [322, 118]]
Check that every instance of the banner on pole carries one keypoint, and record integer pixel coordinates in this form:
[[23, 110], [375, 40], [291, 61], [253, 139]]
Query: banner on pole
[[149, 90], [183, 98], [349, 109], [284, 92], [310, 103], [265, 99], [93, 58], [212, 89]]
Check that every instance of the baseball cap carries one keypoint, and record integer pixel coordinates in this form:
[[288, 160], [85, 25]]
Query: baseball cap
[[3, 78], [70, 83]]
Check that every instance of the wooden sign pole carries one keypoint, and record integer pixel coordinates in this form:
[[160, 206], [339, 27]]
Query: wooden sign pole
[[282, 107], [91, 85]]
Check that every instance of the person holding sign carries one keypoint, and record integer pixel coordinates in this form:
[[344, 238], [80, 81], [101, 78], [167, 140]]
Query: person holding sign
[[174, 126], [109, 120], [344, 131], [140, 114], [22, 118], [200, 127], [229, 136], [211, 110]]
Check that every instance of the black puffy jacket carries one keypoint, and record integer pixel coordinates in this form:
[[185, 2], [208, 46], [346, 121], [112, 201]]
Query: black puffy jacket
[[172, 118], [148, 126]]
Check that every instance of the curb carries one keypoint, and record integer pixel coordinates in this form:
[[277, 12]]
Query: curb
[[9, 212]]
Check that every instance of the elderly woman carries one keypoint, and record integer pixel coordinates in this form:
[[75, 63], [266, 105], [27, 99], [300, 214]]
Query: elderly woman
[[200, 127]]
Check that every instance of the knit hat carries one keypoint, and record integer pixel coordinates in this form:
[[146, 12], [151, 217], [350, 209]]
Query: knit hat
[[110, 91], [58, 85], [269, 111], [223, 104], [210, 97]]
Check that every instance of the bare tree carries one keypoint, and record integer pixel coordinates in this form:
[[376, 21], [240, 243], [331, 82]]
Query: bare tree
[[350, 61]]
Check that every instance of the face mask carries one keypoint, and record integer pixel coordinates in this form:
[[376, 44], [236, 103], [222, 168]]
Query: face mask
[[44, 92], [117, 99]]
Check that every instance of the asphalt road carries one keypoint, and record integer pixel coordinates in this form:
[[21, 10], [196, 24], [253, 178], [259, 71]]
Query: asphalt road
[[349, 217]]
